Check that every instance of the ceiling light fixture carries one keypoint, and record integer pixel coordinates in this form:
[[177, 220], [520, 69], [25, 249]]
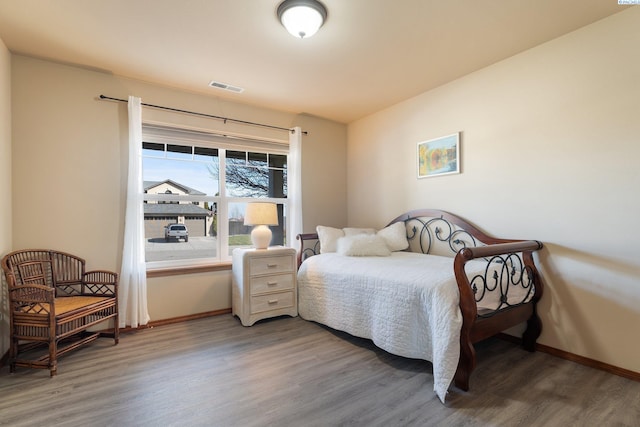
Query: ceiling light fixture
[[302, 18]]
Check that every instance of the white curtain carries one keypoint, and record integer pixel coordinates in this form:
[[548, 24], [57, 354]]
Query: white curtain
[[132, 290], [294, 192]]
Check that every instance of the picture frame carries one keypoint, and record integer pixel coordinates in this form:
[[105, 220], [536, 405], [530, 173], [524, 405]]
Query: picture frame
[[439, 156]]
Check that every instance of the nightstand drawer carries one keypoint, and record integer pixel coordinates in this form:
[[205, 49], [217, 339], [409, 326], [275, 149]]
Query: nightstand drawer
[[270, 265], [263, 284], [275, 282], [270, 302]]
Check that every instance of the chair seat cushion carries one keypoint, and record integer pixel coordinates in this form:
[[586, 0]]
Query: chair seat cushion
[[67, 304]]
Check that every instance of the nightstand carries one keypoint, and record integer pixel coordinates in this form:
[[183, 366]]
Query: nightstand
[[264, 283]]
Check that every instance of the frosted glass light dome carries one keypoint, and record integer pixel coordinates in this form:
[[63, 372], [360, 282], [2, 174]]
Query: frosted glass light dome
[[302, 18]]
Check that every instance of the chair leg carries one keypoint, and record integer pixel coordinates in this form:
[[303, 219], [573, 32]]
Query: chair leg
[[13, 354], [53, 358], [116, 329]]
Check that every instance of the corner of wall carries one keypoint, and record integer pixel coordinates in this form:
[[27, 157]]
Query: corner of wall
[[6, 237]]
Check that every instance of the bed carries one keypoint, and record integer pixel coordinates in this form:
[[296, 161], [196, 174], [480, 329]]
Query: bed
[[429, 285]]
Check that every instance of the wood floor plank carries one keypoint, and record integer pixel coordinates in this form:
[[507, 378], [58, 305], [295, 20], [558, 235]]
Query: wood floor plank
[[289, 372]]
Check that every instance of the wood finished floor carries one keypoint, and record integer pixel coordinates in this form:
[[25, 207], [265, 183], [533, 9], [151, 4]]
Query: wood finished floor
[[289, 372]]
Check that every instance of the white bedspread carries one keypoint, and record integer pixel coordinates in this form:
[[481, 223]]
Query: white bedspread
[[413, 314]]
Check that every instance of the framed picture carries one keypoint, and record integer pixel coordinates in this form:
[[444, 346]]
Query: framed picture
[[440, 156]]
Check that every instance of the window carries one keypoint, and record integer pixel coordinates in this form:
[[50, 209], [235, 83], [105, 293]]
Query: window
[[205, 186]]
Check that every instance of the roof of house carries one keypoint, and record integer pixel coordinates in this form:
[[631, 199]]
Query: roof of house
[[192, 191], [168, 209]]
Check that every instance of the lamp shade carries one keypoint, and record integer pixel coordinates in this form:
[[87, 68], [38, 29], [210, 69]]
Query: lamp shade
[[261, 213], [302, 18]]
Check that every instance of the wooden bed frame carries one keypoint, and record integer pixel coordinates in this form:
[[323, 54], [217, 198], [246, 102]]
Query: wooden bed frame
[[428, 227]]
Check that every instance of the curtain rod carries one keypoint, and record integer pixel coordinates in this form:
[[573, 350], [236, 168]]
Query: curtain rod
[[225, 119]]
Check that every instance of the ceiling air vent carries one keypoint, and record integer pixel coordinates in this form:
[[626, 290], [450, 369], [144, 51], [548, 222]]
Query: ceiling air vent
[[225, 86]]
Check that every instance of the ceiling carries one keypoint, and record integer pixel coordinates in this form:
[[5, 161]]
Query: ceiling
[[369, 55]]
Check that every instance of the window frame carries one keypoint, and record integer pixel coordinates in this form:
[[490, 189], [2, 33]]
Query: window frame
[[152, 133]]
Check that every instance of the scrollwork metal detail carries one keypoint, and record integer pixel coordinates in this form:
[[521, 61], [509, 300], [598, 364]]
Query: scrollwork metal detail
[[428, 231], [310, 251], [503, 274]]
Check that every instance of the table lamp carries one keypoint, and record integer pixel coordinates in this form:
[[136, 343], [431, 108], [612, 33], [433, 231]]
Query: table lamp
[[260, 215]]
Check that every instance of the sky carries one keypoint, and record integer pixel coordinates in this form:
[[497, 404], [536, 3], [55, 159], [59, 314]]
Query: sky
[[191, 173]]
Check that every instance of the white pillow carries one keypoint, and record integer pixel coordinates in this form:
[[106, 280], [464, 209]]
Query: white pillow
[[363, 245], [328, 237], [395, 236], [353, 231]]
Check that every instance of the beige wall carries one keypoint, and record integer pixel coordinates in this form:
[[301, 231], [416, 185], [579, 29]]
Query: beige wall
[[69, 152], [550, 152], [324, 182], [5, 184]]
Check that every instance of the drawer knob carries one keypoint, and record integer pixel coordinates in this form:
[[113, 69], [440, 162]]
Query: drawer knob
[[273, 301], [272, 283], [272, 265]]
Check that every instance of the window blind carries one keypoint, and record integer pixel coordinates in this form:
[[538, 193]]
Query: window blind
[[182, 136]]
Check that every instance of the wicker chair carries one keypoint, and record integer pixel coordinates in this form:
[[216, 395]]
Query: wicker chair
[[52, 303]]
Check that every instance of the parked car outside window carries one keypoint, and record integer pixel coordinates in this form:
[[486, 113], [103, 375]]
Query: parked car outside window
[[176, 231]]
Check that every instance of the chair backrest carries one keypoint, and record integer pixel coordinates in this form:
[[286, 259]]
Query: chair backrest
[[54, 269], [35, 273]]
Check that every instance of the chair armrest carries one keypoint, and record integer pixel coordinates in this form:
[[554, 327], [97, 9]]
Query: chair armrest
[[500, 248], [22, 295], [100, 282]]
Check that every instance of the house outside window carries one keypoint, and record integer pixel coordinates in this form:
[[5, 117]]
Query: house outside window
[[205, 185]]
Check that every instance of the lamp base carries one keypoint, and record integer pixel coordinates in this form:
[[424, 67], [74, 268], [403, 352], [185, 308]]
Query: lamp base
[[261, 236]]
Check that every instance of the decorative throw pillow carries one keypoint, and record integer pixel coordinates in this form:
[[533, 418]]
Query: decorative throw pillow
[[352, 231], [328, 237], [395, 236], [363, 245]]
